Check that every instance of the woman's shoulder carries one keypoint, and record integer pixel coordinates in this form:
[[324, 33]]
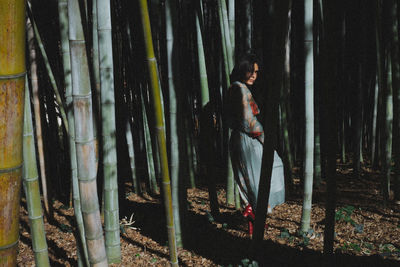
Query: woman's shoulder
[[239, 86]]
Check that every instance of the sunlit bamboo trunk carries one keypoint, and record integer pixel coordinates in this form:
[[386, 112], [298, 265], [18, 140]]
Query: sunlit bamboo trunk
[[81, 240], [173, 103], [309, 116], [84, 138], [31, 188], [111, 210], [156, 98], [12, 84]]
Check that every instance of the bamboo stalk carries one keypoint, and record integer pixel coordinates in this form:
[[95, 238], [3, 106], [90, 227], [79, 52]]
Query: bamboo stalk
[[309, 117], [231, 20], [84, 138], [31, 188], [81, 240], [202, 61], [36, 107], [12, 83], [49, 70], [131, 151], [173, 135], [149, 151], [111, 210], [156, 97], [228, 66]]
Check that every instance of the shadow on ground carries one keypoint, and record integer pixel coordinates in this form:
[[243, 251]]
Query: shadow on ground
[[223, 248]]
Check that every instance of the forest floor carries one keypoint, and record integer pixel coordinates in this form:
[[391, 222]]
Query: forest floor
[[366, 233]]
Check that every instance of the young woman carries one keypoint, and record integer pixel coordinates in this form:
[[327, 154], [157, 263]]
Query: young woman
[[247, 139]]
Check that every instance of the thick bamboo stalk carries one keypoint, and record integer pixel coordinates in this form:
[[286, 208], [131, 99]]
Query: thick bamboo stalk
[[81, 240], [173, 135], [156, 97], [31, 188], [12, 83], [111, 210], [309, 117], [84, 138], [36, 107]]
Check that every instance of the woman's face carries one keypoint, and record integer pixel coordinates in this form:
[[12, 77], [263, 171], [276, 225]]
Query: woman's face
[[252, 76]]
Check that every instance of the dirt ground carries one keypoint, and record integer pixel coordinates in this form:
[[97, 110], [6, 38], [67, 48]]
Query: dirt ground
[[366, 233]]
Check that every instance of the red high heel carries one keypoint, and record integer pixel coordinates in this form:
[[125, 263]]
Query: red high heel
[[248, 213]]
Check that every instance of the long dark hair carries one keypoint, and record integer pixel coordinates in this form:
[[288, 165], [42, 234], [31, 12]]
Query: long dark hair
[[244, 65]]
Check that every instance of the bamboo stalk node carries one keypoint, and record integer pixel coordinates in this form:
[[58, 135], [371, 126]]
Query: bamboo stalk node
[[13, 76], [32, 179], [96, 237], [11, 169], [35, 217], [40, 250], [98, 261], [13, 244]]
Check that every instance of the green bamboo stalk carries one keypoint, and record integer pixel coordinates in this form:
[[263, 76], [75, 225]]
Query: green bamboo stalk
[[202, 61], [231, 20], [228, 65], [225, 26], [149, 149], [36, 106], [131, 151], [95, 59], [31, 188], [111, 218], [12, 83], [81, 240], [309, 117], [84, 138], [225, 55], [49, 70], [173, 135], [155, 93]]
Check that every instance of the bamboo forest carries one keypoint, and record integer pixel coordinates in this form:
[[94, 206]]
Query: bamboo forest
[[115, 132]]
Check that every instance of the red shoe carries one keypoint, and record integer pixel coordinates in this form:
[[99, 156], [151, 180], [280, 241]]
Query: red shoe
[[249, 214], [248, 211]]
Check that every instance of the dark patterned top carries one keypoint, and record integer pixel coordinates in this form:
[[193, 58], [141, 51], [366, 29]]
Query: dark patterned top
[[242, 111]]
